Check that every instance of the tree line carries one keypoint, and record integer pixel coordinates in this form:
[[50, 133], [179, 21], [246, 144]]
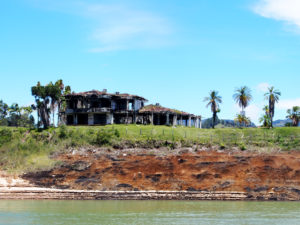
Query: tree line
[[49, 101], [242, 96]]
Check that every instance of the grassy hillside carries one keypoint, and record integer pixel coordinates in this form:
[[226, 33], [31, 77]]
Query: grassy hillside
[[22, 149]]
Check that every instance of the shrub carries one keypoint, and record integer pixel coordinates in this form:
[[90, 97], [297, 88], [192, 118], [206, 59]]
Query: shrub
[[5, 136], [63, 132], [106, 137]]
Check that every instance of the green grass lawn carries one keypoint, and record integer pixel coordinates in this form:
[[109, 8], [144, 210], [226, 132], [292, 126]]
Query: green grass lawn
[[22, 149]]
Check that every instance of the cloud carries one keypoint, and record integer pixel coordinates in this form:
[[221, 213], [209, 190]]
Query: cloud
[[115, 26], [288, 103], [263, 87], [282, 10]]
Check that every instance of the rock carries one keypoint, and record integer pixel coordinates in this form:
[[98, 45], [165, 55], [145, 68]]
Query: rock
[[259, 189], [80, 165], [181, 160], [124, 186]]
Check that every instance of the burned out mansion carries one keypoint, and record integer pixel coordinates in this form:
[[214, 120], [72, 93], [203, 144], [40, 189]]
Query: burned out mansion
[[102, 108]]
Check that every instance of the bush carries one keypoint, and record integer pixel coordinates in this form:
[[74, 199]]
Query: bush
[[106, 137], [63, 132], [5, 136]]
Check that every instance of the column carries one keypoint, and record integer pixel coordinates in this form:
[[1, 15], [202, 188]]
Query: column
[[190, 121], [200, 118], [181, 122], [175, 120], [168, 119], [197, 122], [152, 118], [90, 119]]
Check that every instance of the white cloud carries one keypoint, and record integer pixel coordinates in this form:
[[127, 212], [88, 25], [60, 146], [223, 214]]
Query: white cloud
[[283, 10], [288, 103], [118, 27], [263, 87], [115, 26]]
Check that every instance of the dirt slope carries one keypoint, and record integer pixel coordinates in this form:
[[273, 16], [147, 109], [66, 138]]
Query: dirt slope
[[249, 172]]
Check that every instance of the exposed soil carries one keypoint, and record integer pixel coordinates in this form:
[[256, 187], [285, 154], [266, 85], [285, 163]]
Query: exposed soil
[[176, 170]]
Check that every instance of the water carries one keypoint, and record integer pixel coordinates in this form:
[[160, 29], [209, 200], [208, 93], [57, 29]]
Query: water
[[148, 212]]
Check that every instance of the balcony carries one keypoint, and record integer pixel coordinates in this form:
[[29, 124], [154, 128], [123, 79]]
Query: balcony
[[89, 110]]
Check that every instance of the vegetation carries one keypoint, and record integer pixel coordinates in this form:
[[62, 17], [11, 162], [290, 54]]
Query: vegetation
[[213, 101], [47, 99], [273, 96], [22, 149], [265, 119], [242, 97], [15, 115], [242, 120], [294, 115]]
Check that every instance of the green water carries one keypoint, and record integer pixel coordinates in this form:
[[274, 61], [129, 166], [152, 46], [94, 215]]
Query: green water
[[148, 212]]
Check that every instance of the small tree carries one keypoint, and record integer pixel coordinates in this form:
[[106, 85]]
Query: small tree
[[265, 119], [294, 115], [242, 119]]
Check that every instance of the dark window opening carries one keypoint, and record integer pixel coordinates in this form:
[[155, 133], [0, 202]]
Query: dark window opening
[[82, 119], [94, 104], [100, 119], [105, 103], [70, 120]]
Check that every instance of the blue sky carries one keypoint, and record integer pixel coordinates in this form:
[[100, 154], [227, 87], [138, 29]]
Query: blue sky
[[172, 52]]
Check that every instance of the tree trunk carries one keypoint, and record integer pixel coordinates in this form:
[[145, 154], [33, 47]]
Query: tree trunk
[[214, 120]]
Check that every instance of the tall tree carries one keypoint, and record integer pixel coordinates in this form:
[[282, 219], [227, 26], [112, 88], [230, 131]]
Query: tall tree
[[213, 101], [15, 112], [273, 97], [42, 98], [294, 115], [242, 97], [54, 92]]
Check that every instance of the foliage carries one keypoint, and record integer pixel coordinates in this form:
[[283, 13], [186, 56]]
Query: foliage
[[294, 115], [242, 120], [273, 97], [242, 96], [213, 101], [47, 99], [265, 119], [15, 115]]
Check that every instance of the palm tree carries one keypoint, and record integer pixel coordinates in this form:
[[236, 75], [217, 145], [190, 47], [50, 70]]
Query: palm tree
[[242, 97], [294, 115], [265, 119], [242, 119], [213, 101], [273, 96]]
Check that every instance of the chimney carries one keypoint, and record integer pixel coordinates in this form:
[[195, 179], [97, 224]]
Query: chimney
[[157, 104], [117, 93], [104, 90]]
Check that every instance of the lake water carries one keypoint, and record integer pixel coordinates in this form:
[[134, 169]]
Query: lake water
[[148, 212]]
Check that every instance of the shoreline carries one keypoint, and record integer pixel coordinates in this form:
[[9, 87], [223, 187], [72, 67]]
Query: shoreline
[[35, 193]]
